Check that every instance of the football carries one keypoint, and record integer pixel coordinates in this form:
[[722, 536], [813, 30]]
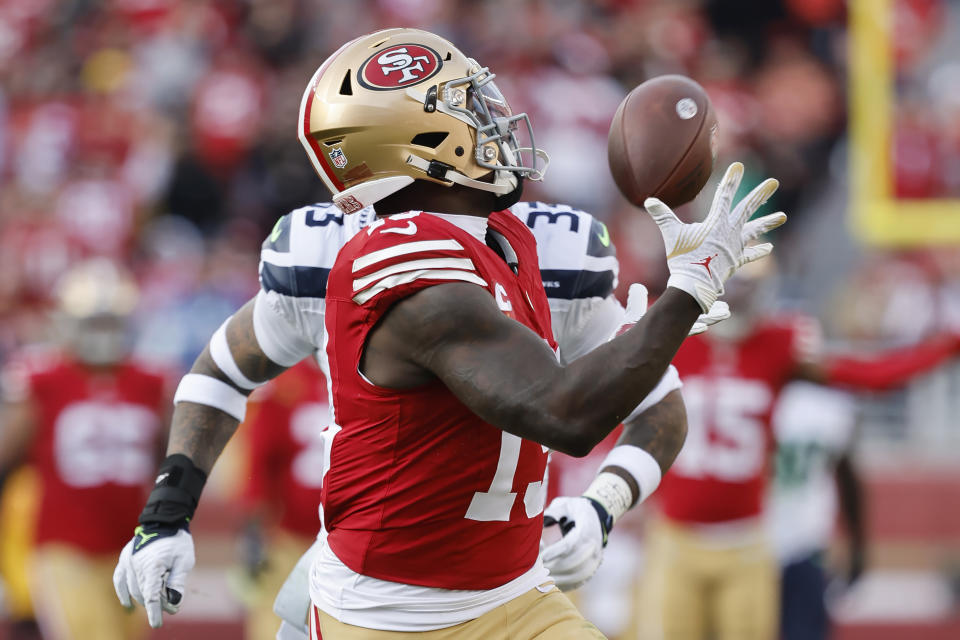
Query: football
[[663, 141]]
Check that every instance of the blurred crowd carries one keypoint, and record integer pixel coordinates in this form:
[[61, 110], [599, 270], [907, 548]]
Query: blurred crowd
[[159, 133]]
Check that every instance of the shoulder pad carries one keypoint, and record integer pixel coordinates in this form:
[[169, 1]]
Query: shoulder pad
[[296, 257], [395, 255], [542, 215]]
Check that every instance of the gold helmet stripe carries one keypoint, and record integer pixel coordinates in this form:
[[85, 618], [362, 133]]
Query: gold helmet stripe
[[309, 143]]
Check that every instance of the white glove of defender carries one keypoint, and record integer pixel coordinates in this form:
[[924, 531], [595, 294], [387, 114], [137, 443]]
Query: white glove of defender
[[574, 558], [637, 308], [156, 574], [701, 256]]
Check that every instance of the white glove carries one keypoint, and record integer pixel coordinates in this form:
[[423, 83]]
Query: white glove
[[153, 570], [574, 558], [637, 308], [719, 311], [701, 256]]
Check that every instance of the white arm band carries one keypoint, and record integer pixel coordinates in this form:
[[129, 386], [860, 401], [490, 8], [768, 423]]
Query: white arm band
[[639, 464], [201, 389], [223, 358], [612, 491]]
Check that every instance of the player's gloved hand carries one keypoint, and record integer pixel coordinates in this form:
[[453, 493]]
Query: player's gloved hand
[[701, 256], [153, 567], [718, 312], [574, 558], [153, 570], [637, 308]]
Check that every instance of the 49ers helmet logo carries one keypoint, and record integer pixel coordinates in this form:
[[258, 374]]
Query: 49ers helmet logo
[[399, 66]]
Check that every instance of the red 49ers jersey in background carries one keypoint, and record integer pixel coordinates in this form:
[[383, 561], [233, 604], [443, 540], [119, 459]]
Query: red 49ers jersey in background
[[730, 389], [420, 490], [286, 425], [95, 447]]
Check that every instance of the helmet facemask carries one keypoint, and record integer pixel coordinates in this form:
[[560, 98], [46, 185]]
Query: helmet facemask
[[477, 100]]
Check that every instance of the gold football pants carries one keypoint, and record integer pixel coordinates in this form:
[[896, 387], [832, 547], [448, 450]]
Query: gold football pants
[[74, 599], [699, 589], [531, 616]]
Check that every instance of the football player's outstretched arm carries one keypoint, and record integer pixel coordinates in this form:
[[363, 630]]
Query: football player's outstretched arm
[[209, 405], [511, 378], [201, 431], [881, 371]]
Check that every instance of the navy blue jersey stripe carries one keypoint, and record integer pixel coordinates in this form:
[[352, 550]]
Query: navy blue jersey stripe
[[300, 282], [573, 284]]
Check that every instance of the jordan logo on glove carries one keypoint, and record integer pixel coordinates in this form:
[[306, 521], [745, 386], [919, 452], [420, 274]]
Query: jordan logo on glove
[[705, 263]]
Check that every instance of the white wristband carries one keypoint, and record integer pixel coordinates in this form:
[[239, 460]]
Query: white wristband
[[201, 389], [611, 491], [223, 358], [639, 464]]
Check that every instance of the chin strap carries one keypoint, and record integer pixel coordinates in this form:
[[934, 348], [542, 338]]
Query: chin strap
[[441, 171]]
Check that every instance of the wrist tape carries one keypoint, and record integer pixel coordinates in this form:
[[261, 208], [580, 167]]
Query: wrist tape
[[642, 466], [612, 493], [175, 494]]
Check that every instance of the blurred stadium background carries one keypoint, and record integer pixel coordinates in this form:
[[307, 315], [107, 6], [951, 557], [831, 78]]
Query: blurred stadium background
[[160, 134]]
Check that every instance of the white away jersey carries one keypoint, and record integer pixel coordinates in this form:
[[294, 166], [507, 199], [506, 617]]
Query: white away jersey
[[578, 266], [813, 426]]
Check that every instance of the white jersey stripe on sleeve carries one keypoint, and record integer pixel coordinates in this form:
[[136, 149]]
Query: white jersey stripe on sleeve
[[413, 265], [277, 258], [403, 278], [604, 263], [402, 249]]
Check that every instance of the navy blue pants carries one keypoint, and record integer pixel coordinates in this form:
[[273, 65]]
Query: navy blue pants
[[803, 612]]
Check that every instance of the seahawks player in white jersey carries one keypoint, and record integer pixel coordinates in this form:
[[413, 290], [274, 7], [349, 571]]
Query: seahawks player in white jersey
[[579, 269]]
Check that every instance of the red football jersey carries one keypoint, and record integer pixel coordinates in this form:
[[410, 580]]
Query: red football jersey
[[420, 490], [729, 389], [95, 447], [286, 447]]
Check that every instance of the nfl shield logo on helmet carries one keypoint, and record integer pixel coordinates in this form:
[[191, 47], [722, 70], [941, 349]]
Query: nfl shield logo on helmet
[[338, 158]]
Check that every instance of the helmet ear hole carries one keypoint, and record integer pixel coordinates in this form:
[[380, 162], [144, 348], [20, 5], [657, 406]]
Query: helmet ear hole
[[432, 139], [346, 87]]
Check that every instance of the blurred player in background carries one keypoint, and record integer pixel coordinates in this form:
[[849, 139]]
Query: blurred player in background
[[711, 571], [89, 420], [815, 428], [285, 441], [19, 492]]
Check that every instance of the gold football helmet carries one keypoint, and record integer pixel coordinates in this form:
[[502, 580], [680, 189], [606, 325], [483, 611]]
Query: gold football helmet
[[94, 303], [400, 105]]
